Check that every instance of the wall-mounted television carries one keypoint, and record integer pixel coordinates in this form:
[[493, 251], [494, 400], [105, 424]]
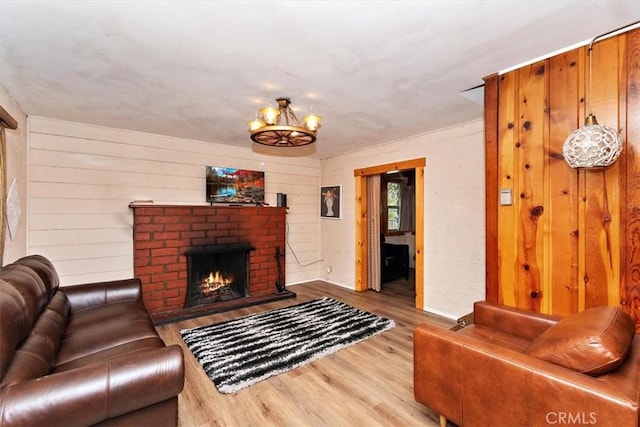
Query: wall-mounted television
[[230, 185]]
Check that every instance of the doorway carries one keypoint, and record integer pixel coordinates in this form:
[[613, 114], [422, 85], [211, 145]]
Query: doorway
[[361, 241]]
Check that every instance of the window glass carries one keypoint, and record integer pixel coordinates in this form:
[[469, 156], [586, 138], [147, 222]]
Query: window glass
[[393, 206]]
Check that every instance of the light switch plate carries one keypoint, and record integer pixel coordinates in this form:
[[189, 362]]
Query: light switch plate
[[506, 197]]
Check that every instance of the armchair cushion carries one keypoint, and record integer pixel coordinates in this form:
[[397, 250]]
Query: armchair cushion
[[594, 341]]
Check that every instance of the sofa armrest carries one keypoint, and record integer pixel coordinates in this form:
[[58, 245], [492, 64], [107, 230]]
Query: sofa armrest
[[89, 295], [95, 393], [520, 323], [467, 379]]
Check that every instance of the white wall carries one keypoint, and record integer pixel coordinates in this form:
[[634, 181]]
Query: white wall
[[16, 163], [83, 177], [454, 241]]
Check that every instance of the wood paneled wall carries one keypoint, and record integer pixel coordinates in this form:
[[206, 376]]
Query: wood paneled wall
[[571, 238], [82, 178]]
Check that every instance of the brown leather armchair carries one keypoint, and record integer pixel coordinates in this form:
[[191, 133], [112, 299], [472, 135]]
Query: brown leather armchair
[[518, 368]]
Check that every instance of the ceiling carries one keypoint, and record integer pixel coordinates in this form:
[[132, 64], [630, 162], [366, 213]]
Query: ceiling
[[376, 71]]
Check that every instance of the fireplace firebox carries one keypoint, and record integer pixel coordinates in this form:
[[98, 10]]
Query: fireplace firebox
[[217, 273]]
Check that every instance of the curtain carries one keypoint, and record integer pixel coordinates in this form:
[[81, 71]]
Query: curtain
[[373, 232], [407, 207]]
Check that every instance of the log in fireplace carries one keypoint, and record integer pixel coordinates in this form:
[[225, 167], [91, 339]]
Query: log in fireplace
[[217, 273]]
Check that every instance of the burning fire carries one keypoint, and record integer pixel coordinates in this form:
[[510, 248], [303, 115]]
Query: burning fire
[[214, 282]]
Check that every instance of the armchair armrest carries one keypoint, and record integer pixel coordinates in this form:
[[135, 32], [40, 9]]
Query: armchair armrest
[[524, 324], [90, 295], [95, 393], [466, 379]]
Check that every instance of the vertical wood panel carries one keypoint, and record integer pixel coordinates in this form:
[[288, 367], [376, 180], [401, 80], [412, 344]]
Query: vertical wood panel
[[491, 185], [602, 226], [583, 250], [630, 284], [532, 96], [564, 100], [582, 198], [508, 179], [614, 294]]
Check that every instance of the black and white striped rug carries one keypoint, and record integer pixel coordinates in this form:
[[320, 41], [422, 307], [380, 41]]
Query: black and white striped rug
[[238, 353]]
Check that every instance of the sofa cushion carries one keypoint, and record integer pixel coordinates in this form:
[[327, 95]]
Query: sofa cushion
[[36, 355], [594, 341], [35, 295], [110, 353], [104, 328], [43, 268], [22, 297]]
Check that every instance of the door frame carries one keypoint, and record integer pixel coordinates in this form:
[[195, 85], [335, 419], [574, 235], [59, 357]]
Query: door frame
[[362, 244]]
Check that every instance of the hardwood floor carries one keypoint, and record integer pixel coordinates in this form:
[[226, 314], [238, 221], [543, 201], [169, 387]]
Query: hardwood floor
[[367, 384]]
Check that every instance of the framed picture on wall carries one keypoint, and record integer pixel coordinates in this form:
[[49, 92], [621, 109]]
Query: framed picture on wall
[[331, 201]]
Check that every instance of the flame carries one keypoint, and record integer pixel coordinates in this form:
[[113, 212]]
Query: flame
[[214, 282]]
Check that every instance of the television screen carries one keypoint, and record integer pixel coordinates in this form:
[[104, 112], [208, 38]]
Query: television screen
[[229, 185]]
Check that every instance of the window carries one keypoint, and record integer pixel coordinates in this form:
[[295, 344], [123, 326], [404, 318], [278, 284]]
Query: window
[[397, 203], [393, 206]]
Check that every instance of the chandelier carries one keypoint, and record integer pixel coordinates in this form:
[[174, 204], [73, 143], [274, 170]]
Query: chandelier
[[279, 127], [593, 145]]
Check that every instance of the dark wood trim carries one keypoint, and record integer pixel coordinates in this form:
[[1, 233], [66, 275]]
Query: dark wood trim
[[7, 119], [491, 185]]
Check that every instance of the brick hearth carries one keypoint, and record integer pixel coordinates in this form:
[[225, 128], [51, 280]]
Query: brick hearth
[[162, 234]]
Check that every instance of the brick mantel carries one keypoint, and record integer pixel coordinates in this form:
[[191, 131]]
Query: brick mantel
[[163, 233]]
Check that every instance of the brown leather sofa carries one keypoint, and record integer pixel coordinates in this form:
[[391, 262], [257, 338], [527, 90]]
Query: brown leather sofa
[[81, 355], [518, 368]]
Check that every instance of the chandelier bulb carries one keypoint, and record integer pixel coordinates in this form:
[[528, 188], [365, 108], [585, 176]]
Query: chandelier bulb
[[312, 121], [270, 115], [256, 123]]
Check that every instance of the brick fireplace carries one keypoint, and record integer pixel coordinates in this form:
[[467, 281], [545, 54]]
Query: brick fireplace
[[163, 234]]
